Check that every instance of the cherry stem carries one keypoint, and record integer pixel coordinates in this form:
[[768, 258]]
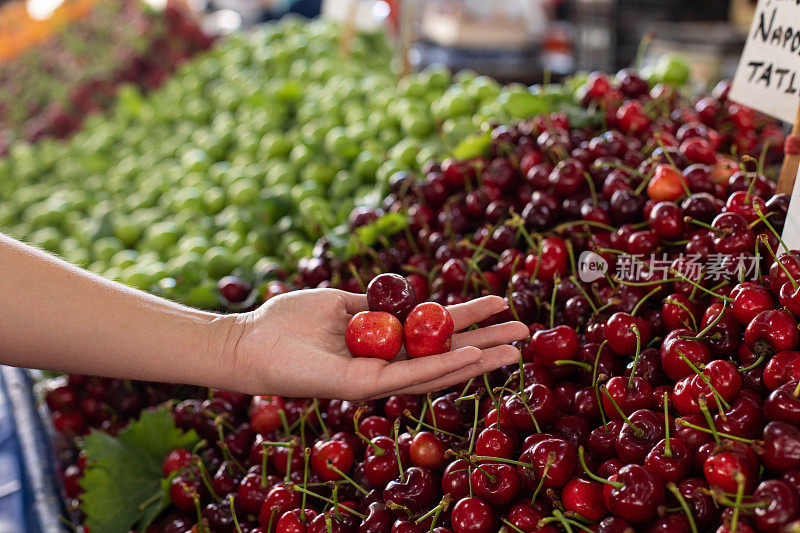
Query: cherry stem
[[559, 516], [353, 512], [582, 459], [356, 419], [740, 482], [594, 382], [715, 321], [571, 254], [444, 504], [635, 331], [306, 457], [701, 402], [643, 300], [636, 430], [397, 450], [501, 460], [495, 401], [315, 404], [289, 454], [463, 395], [667, 447], [263, 466], [690, 220], [764, 219], [524, 404], [433, 413], [474, 424], [551, 459], [206, 480], [512, 526], [728, 436], [583, 292], [754, 365], [347, 478], [717, 396], [585, 366], [684, 505], [233, 514], [681, 277], [284, 422], [592, 188], [200, 524], [565, 225], [774, 258], [471, 459], [670, 301], [553, 302], [420, 423]]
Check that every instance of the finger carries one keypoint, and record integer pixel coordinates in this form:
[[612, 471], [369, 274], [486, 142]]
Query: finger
[[490, 360], [353, 303], [466, 314], [406, 373], [492, 335]]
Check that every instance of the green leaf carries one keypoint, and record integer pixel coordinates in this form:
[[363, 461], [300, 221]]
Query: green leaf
[[391, 223], [123, 481], [473, 146], [525, 104]]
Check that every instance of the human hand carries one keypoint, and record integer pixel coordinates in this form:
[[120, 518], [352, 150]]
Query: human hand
[[294, 345]]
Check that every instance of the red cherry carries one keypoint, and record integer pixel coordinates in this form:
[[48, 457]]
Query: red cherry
[[771, 331], [376, 334], [666, 184], [338, 453], [637, 497], [428, 451], [265, 413], [551, 345], [551, 262], [584, 497], [472, 515], [176, 461], [428, 330], [391, 293]]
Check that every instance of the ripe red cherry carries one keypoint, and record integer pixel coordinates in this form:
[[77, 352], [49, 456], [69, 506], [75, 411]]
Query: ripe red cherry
[[584, 497], [771, 331], [291, 521], [666, 184], [631, 117], [675, 345], [234, 290], [721, 469], [551, 262], [427, 450], [783, 505], [428, 330], [493, 442], [782, 404], [472, 515], [376, 334], [175, 461], [455, 479], [551, 345], [637, 496], [666, 220], [673, 467], [391, 293], [621, 336], [265, 413], [750, 299], [496, 483], [338, 453]]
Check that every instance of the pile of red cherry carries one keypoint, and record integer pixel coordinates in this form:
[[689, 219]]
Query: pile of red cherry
[[394, 318], [661, 398]]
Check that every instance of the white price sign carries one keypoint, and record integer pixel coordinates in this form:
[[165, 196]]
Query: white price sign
[[768, 76], [791, 228]]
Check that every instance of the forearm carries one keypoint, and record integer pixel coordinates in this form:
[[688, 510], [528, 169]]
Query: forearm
[[55, 316]]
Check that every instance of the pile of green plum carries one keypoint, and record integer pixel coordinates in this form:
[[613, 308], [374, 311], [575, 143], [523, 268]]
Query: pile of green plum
[[242, 160]]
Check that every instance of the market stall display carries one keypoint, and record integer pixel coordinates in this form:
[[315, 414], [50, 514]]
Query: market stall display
[[633, 226]]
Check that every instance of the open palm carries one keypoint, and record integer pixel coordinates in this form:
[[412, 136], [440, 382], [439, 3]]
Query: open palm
[[294, 346]]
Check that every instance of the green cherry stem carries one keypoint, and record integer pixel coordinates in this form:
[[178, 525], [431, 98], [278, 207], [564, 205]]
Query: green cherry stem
[[684, 505], [764, 219], [233, 514], [635, 331], [669, 301], [551, 459], [347, 478], [728, 436], [764, 240], [420, 423], [740, 482], [397, 450], [327, 500], [667, 447], [592, 475], [636, 430]]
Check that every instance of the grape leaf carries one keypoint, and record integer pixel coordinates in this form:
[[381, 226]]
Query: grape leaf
[[123, 482]]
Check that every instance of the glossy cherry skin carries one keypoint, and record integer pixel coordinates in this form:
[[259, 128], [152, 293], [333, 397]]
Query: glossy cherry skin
[[417, 493], [601, 440], [701, 503], [455, 479], [527, 519], [380, 468], [551, 262], [252, 492], [782, 367], [493, 442], [628, 399], [338, 453], [427, 450], [781, 446], [744, 419], [723, 376], [551, 345], [292, 522], [771, 331], [671, 468], [375, 334], [720, 470], [632, 447], [638, 498], [540, 403], [750, 299], [782, 404], [472, 515], [674, 345], [558, 451], [391, 293], [428, 330], [678, 312], [278, 501], [621, 336], [176, 461], [499, 489], [379, 519], [783, 505], [584, 497], [778, 277], [613, 524]]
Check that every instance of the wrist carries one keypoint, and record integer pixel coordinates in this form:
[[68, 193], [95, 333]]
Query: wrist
[[223, 358]]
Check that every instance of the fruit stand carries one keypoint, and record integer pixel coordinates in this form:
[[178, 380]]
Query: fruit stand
[[630, 221]]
